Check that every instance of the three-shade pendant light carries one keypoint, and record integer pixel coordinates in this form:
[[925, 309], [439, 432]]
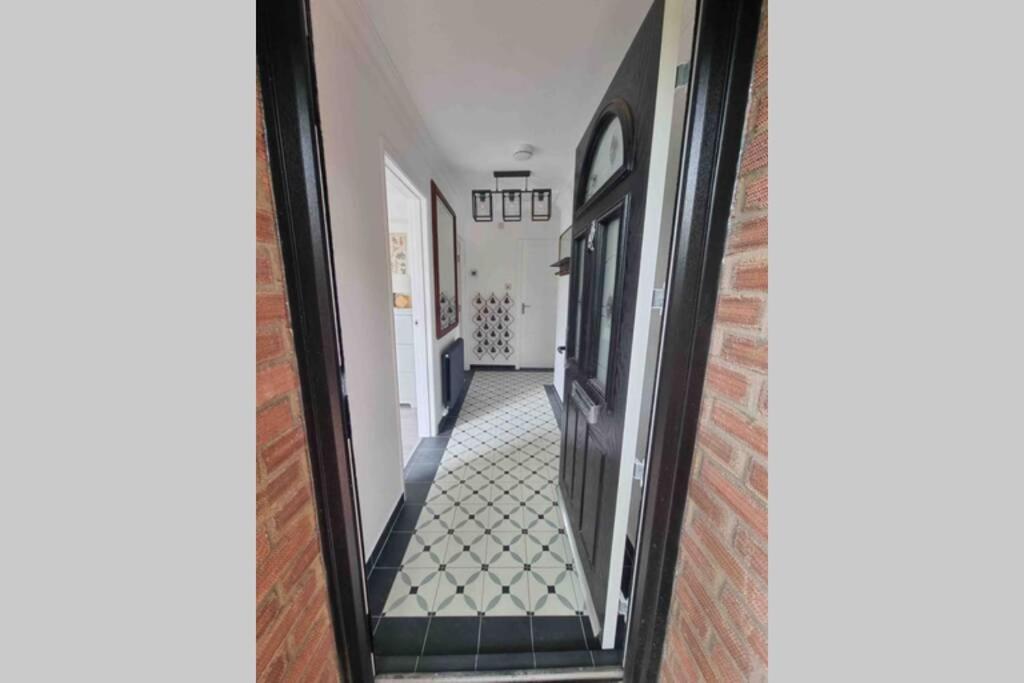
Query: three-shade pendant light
[[512, 200]]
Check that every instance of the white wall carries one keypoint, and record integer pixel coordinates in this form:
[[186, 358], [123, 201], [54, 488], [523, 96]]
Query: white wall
[[492, 249], [366, 110]]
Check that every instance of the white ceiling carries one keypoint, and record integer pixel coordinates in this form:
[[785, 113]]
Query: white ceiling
[[488, 75]]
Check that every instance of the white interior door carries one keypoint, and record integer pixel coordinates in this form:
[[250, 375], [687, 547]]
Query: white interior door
[[537, 307]]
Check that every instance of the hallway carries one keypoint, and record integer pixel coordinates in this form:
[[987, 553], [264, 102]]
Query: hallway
[[477, 571]]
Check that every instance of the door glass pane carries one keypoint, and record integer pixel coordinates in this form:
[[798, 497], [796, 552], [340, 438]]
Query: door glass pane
[[608, 268], [607, 157], [578, 264]]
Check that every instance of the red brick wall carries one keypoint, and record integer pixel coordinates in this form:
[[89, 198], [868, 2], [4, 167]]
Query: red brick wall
[[294, 637], [718, 624]]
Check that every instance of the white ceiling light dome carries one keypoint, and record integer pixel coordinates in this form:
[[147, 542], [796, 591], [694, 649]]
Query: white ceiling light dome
[[524, 153]]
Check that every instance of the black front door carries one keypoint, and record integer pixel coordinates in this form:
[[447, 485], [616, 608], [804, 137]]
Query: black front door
[[610, 190]]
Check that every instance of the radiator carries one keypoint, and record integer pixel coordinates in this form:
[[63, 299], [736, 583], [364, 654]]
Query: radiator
[[453, 373]]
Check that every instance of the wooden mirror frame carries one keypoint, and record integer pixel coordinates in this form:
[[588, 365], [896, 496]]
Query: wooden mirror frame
[[435, 196]]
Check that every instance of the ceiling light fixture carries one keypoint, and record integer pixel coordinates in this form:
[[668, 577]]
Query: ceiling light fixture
[[512, 200], [524, 153]]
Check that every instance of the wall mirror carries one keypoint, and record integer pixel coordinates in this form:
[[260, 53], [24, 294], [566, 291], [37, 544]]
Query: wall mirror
[[446, 281]]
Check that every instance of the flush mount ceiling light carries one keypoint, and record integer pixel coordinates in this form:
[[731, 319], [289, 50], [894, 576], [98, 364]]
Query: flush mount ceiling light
[[512, 200], [524, 153]]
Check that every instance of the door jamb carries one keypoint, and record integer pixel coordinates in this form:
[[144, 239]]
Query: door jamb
[[722, 63], [722, 59]]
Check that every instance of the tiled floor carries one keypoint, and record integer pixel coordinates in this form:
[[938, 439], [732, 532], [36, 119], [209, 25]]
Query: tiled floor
[[476, 572]]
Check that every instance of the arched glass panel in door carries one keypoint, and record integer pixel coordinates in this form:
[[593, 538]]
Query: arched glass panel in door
[[608, 157]]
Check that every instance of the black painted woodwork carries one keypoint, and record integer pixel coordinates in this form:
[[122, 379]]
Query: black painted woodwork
[[295, 151], [589, 464], [722, 62]]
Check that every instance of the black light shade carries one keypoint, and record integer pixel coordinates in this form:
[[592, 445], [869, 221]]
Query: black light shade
[[540, 205], [482, 206], [511, 205]]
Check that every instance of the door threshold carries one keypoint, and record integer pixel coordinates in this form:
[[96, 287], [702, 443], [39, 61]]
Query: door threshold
[[601, 673]]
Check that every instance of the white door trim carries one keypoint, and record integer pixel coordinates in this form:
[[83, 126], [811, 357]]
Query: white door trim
[[425, 410]]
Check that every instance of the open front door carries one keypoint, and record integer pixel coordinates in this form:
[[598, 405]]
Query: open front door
[[609, 193]]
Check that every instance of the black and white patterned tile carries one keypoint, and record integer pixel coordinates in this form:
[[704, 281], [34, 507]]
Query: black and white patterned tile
[[489, 540]]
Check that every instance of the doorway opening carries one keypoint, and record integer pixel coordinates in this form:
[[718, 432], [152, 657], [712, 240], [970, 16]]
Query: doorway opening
[[522, 477], [406, 210]]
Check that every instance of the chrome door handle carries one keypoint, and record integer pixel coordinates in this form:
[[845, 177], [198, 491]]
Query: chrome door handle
[[522, 310]]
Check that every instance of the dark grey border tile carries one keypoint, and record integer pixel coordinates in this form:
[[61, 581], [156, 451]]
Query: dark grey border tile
[[420, 472], [393, 552], [607, 657], [371, 561], [401, 664], [551, 634], [426, 455], [416, 492], [400, 635], [378, 586], [504, 661], [452, 636], [552, 660], [407, 518], [593, 642], [501, 635], [433, 663]]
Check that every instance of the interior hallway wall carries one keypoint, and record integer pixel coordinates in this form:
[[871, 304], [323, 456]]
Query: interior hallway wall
[[718, 623], [294, 635], [493, 251], [365, 110]]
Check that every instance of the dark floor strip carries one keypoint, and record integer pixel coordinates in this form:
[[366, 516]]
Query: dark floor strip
[[371, 561], [447, 423], [556, 405]]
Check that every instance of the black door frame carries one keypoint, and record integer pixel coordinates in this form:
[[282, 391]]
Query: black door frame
[[721, 66], [295, 154]]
